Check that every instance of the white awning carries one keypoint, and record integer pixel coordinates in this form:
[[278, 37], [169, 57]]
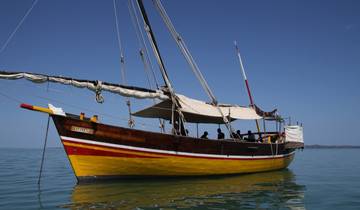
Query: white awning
[[199, 111]]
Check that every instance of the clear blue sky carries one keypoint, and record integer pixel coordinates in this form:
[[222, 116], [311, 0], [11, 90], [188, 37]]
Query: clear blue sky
[[302, 57]]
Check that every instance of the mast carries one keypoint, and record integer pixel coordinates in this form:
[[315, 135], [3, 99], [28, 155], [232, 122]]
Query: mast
[[176, 106], [154, 45], [246, 83]]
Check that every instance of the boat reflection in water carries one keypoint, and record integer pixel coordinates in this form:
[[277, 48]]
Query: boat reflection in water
[[276, 189]]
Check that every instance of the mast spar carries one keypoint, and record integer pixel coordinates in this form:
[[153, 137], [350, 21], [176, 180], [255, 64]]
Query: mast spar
[[246, 82], [152, 40], [154, 45]]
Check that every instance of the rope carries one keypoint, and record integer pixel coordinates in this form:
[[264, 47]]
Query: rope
[[184, 49], [194, 67], [142, 43], [10, 98], [144, 55], [119, 38], [146, 69], [131, 121], [154, 46], [18, 101], [155, 49], [43, 153], [272, 152], [18, 26], [99, 98]]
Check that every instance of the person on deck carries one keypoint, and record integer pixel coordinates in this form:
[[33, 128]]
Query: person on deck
[[205, 135], [221, 135], [234, 135], [251, 136], [260, 139], [238, 134]]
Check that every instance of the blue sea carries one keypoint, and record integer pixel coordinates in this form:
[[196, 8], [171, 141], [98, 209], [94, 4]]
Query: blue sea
[[317, 179]]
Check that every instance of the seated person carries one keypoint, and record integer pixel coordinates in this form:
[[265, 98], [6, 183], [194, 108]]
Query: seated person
[[251, 136], [260, 139], [205, 135], [221, 135], [234, 135], [239, 134]]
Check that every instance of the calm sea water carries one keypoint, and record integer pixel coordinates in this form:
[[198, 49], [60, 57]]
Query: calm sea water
[[317, 179]]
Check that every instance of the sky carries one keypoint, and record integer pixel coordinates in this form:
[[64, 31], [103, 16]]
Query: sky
[[301, 57]]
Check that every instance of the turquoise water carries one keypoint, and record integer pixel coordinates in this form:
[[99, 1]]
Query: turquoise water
[[317, 179]]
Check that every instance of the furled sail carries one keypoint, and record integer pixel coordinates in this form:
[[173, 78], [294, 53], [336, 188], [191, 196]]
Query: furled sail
[[196, 111], [93, 85]]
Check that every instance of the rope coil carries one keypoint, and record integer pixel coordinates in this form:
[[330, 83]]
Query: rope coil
[[99, 98]]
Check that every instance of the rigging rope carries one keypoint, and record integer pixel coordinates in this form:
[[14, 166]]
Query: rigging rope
[[153, 44], [44, 148], [156, 51], [141, 41], [184, 50], [99, 98], [122, 59], [47, 99], [18, 26], [10, 98], [144, 55], [194, 67], [122, 64], [146, 69]]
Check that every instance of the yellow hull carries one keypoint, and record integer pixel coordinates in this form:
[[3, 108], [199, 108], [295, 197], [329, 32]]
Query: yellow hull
[[105, 161]]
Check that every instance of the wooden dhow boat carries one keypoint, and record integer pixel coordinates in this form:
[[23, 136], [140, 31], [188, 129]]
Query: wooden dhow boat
[[96, 150]]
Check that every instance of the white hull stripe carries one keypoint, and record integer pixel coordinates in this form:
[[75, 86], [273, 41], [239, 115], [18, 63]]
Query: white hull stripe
[[168, 151]]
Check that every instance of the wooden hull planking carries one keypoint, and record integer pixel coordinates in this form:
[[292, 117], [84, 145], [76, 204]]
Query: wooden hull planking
[[93, 155]]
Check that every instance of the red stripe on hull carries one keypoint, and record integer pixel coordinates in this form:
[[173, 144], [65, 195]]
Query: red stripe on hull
[[71, 150]]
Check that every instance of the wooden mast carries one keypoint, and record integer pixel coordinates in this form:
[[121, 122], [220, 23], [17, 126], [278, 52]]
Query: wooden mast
[[246, 83], [154, 45], [152, 40]]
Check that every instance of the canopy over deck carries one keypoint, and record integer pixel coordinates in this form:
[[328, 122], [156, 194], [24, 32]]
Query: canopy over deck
[[196, 111]]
